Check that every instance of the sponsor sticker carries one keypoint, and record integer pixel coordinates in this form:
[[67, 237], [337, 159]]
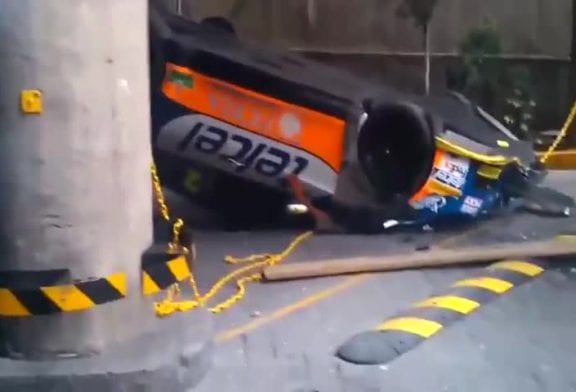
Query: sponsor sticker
[[181, 79], [471, 205], [209, 142], [432, 203], [198, 134], [452, 171], [290, 125], [307, 130], [193, 181]]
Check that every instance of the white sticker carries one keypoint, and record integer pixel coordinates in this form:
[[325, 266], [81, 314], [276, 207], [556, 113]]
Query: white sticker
[[433, 203], [390, 223], [290, 125], [471, 205], [452, 171], [222, 146]]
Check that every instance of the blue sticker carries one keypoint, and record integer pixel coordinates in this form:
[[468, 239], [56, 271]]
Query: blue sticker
[[473, 203]]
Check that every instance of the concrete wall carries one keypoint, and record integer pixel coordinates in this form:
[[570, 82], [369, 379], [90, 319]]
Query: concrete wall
[[367, 38], [405, 73], [528, 27]]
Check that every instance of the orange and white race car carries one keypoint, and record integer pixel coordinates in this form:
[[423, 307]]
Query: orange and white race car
[[232, 121]]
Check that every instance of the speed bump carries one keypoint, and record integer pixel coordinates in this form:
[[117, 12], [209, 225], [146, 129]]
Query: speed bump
[[428, 317]]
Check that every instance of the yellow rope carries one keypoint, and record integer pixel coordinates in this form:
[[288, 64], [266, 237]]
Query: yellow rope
[[562, 135]]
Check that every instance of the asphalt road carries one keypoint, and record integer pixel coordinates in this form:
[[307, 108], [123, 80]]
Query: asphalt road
[[282, 336]]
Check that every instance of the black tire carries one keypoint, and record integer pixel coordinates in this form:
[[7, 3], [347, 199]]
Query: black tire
[[396, 148]]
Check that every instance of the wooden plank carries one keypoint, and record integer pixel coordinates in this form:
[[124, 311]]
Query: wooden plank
[[561, 246]]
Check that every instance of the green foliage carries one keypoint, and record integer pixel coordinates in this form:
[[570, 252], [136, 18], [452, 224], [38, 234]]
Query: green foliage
[[519, 105], [506, 93], [481, 42], [478, 74]]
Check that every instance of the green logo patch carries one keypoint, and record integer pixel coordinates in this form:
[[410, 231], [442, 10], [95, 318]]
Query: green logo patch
[[181, 79]]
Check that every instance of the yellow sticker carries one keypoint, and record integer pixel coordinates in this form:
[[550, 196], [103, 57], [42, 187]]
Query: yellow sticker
[[31, 101], [193, 181], [503, 143]]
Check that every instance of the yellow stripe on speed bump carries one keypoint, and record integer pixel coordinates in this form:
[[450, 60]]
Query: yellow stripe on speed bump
[[406, 330], [415, 325], [521, 267], [458, 304], [495, 285]]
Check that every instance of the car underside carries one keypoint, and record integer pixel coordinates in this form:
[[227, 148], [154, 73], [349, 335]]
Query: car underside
[[234, 123]]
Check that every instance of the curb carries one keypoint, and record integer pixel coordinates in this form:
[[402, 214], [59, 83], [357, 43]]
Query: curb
[[175, 359]]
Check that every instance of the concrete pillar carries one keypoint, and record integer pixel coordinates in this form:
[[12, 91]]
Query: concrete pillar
[[76, 189], [573, 48]]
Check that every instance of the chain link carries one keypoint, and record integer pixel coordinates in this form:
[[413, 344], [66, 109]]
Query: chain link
[[562, 135], [159, 194], [241, 276]]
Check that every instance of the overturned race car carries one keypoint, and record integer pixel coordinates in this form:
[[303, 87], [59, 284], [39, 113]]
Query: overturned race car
[[248, 130]]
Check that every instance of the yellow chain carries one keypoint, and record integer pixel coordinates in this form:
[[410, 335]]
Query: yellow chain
[[176, 230], [562, 135], [159, 194], [242, 276], [174, 290]]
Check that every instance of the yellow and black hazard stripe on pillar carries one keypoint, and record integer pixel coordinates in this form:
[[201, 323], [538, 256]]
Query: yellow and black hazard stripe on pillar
[[35, 293], [426, 318], [22, 301], [162, 268]]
